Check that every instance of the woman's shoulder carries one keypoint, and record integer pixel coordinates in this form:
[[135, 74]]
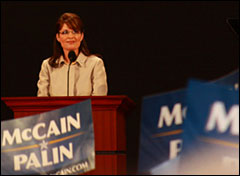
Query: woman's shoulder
[[46, 61], [95, 58]]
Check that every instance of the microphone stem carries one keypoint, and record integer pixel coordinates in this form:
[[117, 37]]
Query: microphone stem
[[68, 79]]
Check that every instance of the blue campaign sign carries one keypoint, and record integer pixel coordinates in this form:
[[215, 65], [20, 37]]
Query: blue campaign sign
[[161, 127], [162, 122], [55, 142], [211, 131]]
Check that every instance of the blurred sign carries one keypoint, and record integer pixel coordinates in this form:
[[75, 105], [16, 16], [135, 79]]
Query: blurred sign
[[211, 131], [162, 120]]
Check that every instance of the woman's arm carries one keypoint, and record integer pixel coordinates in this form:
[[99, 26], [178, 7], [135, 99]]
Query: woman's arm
[[43, 82], [99, 79]]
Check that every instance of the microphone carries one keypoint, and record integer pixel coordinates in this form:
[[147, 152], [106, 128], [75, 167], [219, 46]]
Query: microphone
[[72, 57]]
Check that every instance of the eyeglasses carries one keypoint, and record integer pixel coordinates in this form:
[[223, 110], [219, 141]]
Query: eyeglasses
[[66, 32]]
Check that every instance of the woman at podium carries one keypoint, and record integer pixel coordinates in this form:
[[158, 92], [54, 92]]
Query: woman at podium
[[72, 70]]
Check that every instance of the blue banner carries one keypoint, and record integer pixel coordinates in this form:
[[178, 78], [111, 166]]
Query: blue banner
[[58, 142], [162, 125], [211, 131], [161, 128]]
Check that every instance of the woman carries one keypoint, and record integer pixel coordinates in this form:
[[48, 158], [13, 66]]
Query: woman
[[87, 75]]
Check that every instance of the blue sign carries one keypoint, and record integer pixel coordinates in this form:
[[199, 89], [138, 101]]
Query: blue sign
[[161, 128], [162, 125], [211, 131], [55, 142]]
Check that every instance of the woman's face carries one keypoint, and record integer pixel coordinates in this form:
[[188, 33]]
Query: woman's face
[[69, 39]]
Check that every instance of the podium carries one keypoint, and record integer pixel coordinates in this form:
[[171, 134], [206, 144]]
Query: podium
[[109, 120]]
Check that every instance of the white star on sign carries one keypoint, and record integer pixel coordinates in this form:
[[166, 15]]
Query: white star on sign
[[43, 145]]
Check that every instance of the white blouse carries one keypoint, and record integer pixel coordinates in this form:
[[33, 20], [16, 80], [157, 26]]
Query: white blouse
[[87, 77]]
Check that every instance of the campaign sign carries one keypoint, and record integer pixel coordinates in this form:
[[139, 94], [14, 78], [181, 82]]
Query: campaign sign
[[161, 127], [211, 131], [58, 142]]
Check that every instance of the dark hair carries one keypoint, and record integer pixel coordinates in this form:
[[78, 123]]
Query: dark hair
[[74, 22]]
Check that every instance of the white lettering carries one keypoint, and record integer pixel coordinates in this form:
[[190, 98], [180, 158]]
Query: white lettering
[[55, 155], [236, 86], [175, 148], [73, 169], [45, 161], [219, 119], [73, 122], [25, 134], [32, 161], [18, 160], [36, 130], [63, 125], [53, 129], [168, 118], [67, 153], [7, 137]]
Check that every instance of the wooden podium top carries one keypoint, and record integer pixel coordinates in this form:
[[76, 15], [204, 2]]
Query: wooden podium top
[[49, 103]]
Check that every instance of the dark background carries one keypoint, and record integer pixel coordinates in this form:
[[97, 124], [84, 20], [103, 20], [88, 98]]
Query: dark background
[[147, 47]]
